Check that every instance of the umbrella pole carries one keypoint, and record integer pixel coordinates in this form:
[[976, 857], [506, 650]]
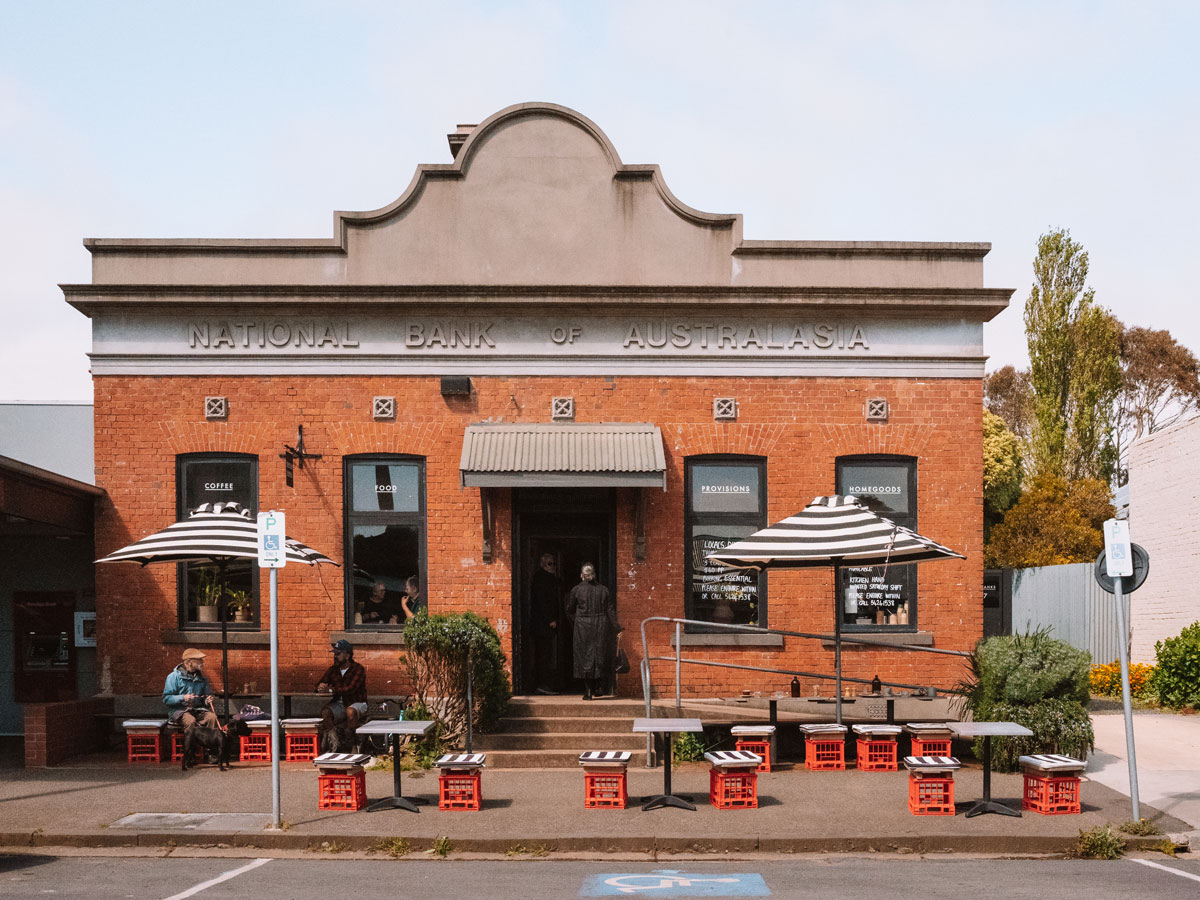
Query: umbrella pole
[[222, 612], [837, 649]]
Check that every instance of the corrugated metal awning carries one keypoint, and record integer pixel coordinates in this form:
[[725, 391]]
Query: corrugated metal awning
[[566, 455]]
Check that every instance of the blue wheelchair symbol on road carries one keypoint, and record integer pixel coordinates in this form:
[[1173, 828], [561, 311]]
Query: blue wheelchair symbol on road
[[673, 883]]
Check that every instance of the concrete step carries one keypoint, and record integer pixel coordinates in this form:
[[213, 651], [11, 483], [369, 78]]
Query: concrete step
[[565, 741], [558, 724], [563, 706], [549, 759]]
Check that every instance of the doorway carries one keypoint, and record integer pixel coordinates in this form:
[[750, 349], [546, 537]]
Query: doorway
[[572, 526]]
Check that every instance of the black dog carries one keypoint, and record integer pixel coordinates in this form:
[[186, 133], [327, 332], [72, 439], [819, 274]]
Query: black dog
[[211, 740]]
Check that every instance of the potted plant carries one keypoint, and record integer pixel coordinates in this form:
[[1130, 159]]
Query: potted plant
[[207, 591], [238, 606]]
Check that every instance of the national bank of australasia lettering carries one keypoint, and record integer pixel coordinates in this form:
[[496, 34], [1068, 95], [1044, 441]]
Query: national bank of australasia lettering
[[515, 335]]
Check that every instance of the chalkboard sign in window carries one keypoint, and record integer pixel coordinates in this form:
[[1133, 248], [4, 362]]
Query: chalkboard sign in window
[[874, 597], [725, 502], [206, 595]]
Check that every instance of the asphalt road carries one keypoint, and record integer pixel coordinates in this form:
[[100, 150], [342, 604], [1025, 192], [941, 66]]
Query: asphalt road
[[26, 875]]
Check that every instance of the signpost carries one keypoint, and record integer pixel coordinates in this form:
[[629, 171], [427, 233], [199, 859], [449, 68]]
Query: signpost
[[1123, 566], [272, 555]]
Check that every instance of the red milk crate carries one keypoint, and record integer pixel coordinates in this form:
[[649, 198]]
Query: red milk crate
[[930, 795], [460, 789], [176, 746], [939, 746], [604, 789], [1051, 795], [300, 747], [255, 746], [143, 746], [822, 754], [733, 788], [758, 748], [342, 790], [876, 756]]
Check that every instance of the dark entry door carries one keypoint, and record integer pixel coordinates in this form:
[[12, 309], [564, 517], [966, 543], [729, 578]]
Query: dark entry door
[[44, 628], [575, 526]]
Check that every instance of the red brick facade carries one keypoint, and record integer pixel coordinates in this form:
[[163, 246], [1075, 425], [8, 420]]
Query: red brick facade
[[801, 425]]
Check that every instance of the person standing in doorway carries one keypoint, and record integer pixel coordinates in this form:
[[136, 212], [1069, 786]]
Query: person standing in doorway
[[543, 603], [590, 607]]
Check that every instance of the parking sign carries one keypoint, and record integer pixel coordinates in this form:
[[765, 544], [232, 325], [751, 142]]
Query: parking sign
[[271, 535]]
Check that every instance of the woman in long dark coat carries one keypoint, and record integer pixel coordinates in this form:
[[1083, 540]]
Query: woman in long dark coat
[[591, 608]]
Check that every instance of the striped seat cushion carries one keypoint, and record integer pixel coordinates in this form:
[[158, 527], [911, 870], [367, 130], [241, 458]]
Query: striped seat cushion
[[881, 730], [753, 729], [927, 728], [1051, 762], [931, 763], [143, 724], [258, 724], [300, 723], [461, 761], [340, 760], [814, 728], [605, 758], [741, 759]]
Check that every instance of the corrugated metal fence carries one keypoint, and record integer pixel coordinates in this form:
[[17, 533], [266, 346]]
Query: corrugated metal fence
[[1068, 601]]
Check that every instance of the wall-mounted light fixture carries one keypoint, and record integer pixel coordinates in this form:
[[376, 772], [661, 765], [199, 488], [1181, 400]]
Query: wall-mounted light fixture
[[292, 454]]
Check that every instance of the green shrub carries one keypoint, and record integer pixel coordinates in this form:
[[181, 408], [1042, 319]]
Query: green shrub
[[1037, 681], [440, 651], [1100, 842], [1058, 726], [691, 746], [1140, 827], [1176, 679]]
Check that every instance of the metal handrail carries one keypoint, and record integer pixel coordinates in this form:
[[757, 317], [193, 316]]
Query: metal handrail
[[679, 659]]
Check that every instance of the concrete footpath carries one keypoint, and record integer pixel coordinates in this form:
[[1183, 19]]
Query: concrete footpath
[[101, 801]]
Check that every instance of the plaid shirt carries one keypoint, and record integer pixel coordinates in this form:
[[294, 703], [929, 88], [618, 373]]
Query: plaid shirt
[[348, 688]]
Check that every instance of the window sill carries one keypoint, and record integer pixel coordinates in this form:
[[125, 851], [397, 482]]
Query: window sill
[[729, 640], [369, 638], [211, 637], [917, 638]]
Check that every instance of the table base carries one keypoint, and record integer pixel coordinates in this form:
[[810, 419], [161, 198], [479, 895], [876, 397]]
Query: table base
[[675, 800], [991, 806], [412, 804]]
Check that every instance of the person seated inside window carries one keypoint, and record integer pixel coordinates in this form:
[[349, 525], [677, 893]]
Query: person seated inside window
[[378, 609], [413, 600]]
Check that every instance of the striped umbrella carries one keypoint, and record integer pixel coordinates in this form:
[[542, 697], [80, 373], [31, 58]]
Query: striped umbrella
[[219, 534], [836, 531], [833, 531]]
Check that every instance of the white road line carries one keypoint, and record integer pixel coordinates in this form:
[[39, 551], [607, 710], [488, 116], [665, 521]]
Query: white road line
[[1146, 862], [232, 873]]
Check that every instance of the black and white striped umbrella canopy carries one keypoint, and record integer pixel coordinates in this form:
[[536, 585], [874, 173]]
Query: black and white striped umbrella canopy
[[212, 533], [835, 530]]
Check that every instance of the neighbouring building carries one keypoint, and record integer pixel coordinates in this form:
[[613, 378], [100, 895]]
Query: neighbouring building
[[538, 349], [1162, 488]]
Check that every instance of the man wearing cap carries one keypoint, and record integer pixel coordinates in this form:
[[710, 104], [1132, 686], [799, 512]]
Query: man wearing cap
[[348, 682], [186, 693]]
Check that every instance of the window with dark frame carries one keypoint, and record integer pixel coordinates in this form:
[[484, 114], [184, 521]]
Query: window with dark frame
[[880, 598], [206, 594], [725, 501], [385, 538]]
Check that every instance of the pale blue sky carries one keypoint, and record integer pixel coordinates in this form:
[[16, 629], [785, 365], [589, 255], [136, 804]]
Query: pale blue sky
[[853, 121]]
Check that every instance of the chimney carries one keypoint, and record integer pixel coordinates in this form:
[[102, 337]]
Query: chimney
[[458, 138]]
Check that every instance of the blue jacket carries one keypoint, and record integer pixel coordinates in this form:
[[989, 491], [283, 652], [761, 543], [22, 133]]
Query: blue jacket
[[181, 682]]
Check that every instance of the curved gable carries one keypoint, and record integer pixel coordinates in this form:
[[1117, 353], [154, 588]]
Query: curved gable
[[538, 195]]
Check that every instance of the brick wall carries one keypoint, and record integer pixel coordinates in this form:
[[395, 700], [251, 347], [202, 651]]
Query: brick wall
[[1163, 497], [800, 425], [57, 731]]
